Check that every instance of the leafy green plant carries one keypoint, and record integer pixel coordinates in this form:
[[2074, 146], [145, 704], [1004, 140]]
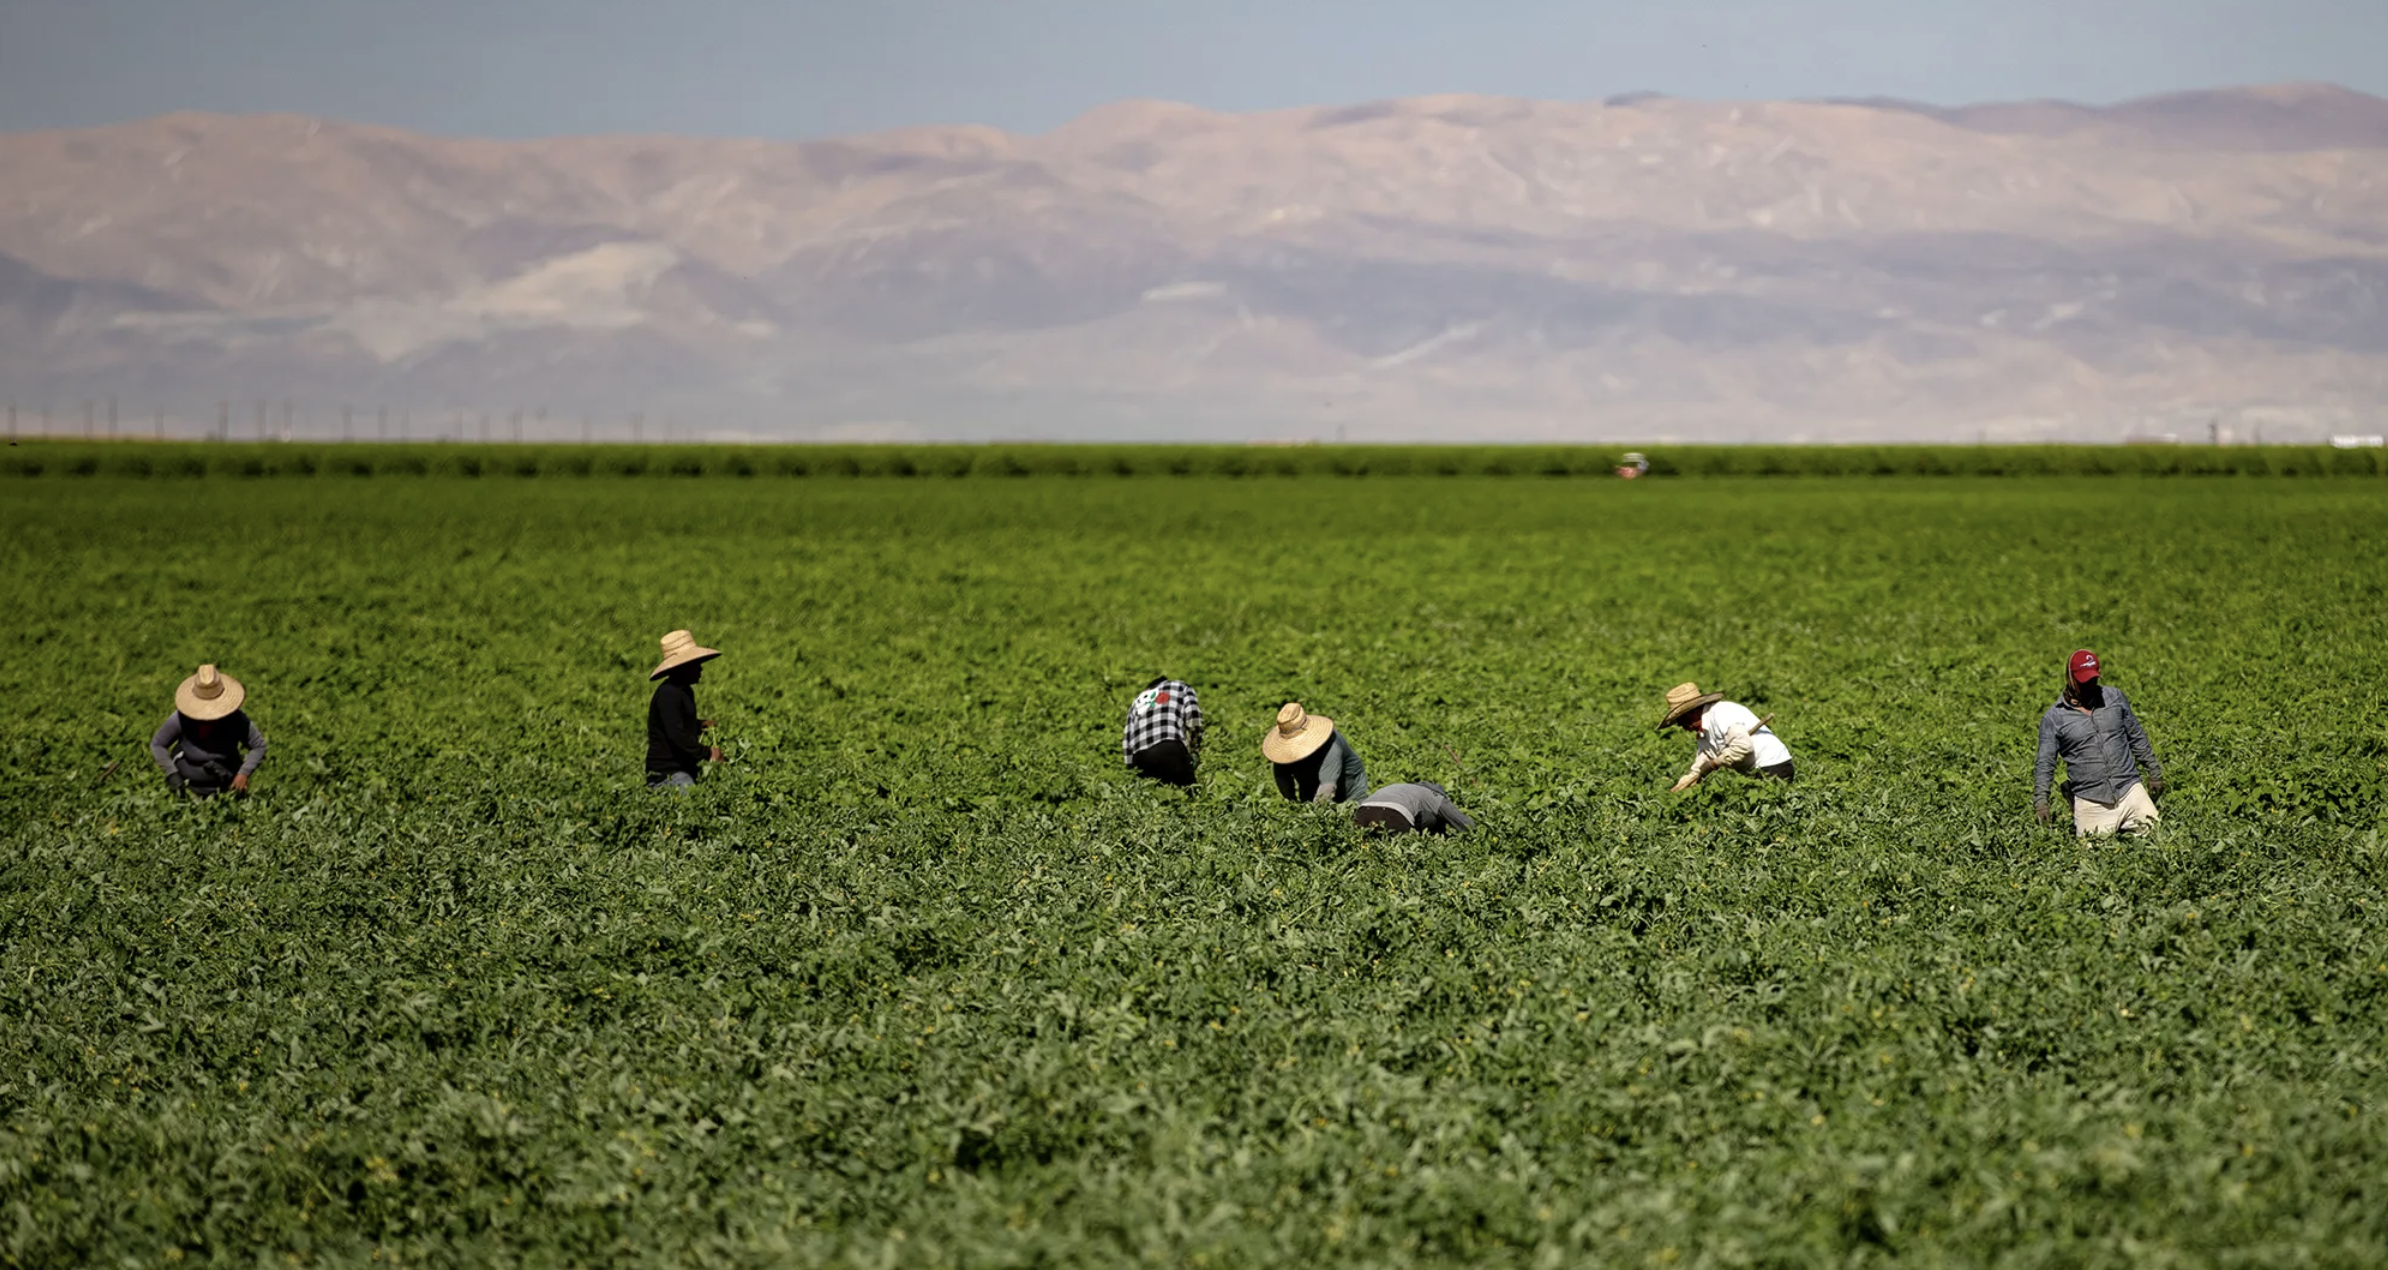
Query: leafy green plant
[[922, 976]]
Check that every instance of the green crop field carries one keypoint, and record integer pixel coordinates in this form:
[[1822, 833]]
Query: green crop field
[[922, 977]]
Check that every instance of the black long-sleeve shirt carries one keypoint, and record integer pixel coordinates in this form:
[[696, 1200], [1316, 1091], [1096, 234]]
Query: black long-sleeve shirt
[[207, 754], [674, 741]]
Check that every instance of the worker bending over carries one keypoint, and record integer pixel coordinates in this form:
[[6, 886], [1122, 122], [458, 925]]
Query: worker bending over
[[199, 745], [1421, 807], [1730, 736], [1163, 738], [1314, 764]]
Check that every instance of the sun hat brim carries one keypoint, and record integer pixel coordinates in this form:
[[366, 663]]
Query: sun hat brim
[[193, 706], [677, 660], [1704, 699], [1316, 731]]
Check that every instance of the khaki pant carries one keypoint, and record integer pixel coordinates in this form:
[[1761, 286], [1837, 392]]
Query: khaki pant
[[2135, 812]]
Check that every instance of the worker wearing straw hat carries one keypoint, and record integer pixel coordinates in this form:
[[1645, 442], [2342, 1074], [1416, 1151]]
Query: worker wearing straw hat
[[199, 746], [1314, 763], [675, 735], [1730, 736]]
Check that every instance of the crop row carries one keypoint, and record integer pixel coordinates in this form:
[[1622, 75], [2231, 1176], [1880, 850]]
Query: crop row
[[198, 459]]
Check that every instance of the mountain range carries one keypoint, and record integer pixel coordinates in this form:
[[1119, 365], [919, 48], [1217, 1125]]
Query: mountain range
[[1455, 267]]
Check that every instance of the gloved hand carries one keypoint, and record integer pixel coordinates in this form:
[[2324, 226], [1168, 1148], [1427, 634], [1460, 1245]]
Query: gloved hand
[[1325, 794], [2155, 786], [175, 782], [2041, 810]]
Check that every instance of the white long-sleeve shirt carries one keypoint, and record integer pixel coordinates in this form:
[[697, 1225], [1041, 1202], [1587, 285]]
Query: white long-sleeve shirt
[[1730, 737]]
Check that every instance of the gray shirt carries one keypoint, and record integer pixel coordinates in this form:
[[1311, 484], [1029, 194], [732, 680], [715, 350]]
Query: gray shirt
[[2097, 747], [1428, 810], [207, 754], [1333, 774]]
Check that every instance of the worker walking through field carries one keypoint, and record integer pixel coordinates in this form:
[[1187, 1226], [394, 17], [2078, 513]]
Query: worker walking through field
[[199, 746], [2093, 729], [1730, 736], [1420, 807], [1163, 739], [676, 750], [1314, 763]]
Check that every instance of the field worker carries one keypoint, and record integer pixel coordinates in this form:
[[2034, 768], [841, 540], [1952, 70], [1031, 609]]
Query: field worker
[[1730, 736], [1421, 807], [675, 747], [2092, 728], [199, 745], [1164, 732], [1314, 763]]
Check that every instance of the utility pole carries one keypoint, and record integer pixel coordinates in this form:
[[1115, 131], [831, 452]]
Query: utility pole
[[223, 421], [517, 421], [111, 418], [286, 419]]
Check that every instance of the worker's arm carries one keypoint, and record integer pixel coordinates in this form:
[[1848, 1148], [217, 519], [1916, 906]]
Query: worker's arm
[[1453, 816], [2043, 769], [1193, 722], [680, 727], [1330, 770], [256, 752], [161, 742]]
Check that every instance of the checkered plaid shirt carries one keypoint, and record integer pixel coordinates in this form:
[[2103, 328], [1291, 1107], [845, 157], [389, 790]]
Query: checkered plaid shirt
[[1167, 711]]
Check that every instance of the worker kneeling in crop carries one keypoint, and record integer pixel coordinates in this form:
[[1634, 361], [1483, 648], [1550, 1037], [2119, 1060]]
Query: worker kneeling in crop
[[676, 750], [1730, 736], [1314, 763], [199, 745], [2093, 729], [1163, 738], [1421, 807]]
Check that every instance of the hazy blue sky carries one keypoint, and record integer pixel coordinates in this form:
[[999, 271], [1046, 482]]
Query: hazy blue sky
[[514, 68]]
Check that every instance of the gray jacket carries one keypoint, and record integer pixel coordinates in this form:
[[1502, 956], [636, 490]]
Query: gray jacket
[[1335, 771], [2097, 747], [1424, 804], [207, 755]]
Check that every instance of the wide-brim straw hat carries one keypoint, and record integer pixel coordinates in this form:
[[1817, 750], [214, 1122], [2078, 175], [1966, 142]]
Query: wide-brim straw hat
[[1682, 699], [1296, 735], [681, 649], [210, 694]]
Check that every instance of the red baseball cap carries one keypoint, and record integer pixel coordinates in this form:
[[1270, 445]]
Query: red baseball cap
[[2083, 667]]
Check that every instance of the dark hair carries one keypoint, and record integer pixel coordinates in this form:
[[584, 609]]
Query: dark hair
[[1158, 680]]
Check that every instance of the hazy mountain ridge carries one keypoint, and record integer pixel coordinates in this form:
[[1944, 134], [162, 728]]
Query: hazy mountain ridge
[[1456, 266]]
